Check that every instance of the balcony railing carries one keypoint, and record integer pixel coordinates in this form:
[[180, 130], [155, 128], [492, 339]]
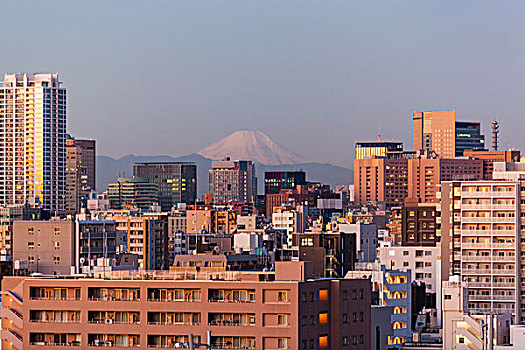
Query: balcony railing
[[229, 323]]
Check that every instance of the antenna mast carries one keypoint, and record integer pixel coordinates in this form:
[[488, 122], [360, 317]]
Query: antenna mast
[[495, 132]]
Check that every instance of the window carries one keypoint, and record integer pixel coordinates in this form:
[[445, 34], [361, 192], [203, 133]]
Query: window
[[304, 344], [345, 318], [323, 294], [56, 259], [30, 245], [448, 296], [307, 242], [405, 252], [282, 320], [312, 297], [311, 343], [282, 296], [312, 321], [304, 298], [323, 318], [405, 263], [345, 341], [323, 342], [304, 321], [282, 343], [57, 245], [361, 339]]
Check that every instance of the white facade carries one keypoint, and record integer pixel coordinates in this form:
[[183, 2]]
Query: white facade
[[32, 140]]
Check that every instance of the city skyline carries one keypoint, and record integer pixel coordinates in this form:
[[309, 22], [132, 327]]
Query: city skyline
[[221, 68]]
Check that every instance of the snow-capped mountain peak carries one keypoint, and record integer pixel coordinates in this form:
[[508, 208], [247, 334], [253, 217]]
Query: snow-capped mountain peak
[[251, 145]]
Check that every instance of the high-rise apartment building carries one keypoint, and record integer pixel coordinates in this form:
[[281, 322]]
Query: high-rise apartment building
[[129, 192], [438, 131], [233, 181], [176, 181], [32, 142], [80, 172], [481, 234], [275, 181], [365, 150]]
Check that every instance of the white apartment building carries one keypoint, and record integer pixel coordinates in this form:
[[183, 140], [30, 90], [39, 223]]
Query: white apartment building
[[481, 233], [464, 330], [32, 140]]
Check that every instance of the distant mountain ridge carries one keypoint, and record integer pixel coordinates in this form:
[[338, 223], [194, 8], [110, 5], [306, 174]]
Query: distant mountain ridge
[[246, 145], [108, 170]]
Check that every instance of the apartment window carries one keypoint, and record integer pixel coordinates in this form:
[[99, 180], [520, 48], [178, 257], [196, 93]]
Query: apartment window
[[323, 318], [406, 252], [345, 341], [345, 318], [427, 253], [282, 343], [345, 295], [30, 245], [304, 344], [304, 298], [56, 259], [282, 296], [312, 297], [428, 264], [448, 297], [312, 321], [307, 242], [311, 343], [304, 321], [282, 320], [323, 341], [57, 245], [323, 294], [361, 339], [361, 316], [30, 230], [405, 263]]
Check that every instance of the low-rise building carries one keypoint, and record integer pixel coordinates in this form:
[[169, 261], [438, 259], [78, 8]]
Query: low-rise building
[[281, 310]]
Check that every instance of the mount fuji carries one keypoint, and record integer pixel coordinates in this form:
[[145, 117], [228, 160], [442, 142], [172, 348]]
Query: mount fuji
[[253, 145]]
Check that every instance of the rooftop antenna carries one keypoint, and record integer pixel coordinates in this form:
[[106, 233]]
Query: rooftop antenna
[[495, 132], [379, 134]]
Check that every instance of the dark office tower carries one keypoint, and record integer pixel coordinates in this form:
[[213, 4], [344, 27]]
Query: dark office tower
[[469, 137], [80, 171], [176, 181], [275, 181]]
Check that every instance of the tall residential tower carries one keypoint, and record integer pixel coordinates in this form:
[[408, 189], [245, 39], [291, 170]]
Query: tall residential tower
[[32, 140]]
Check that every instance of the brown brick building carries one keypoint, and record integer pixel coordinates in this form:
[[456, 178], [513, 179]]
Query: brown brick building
[[419, 227], [281, 310]]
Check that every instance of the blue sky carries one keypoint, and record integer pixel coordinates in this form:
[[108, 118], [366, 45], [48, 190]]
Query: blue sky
[[170, 77]]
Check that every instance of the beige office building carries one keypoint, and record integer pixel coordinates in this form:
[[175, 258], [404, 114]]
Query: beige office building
[[46, 247]]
